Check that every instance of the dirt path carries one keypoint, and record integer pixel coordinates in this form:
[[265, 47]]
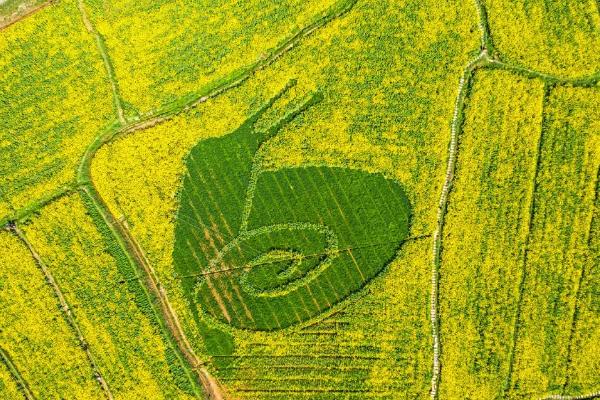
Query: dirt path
[[455, 128], [106, 60], [16, 17], [210, 384], [64, 306]]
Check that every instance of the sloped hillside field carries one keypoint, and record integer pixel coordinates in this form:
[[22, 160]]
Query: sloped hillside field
[[316, 199]]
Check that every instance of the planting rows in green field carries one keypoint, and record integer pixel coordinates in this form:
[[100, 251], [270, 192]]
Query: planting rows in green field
[[264, 250]]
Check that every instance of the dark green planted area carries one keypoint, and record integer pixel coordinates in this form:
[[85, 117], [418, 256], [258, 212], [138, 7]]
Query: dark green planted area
[[264, 250]]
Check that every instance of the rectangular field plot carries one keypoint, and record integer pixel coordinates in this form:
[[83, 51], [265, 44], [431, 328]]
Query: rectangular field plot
[[109, 303], [557, 342], [54, 98], [35, 334], [486, 233]]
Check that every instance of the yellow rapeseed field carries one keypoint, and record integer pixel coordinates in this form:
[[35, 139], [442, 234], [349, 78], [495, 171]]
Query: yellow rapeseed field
[[474, 123]]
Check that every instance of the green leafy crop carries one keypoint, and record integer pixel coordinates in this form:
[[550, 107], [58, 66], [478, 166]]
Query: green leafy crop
[[264, 250]]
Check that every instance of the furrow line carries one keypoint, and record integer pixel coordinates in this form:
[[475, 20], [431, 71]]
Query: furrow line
[[580, 283], [437, 242], [522, 281], [455, 128], [16, 375], [122, 234], [151, 288]]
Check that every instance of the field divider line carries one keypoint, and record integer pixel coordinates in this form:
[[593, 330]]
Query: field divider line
[[26, 212], [523, 279], [105, 59], [484, 58], [16, 375], [152, 289], [580, 283], [122, 234], [235, 79], [455, 130], [64, 306], [585, 81]]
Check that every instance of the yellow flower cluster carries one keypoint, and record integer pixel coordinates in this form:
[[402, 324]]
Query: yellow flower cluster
[[164, 50], [8, 385], [559, 331], [486, 233], [559, 38], [387, 108]]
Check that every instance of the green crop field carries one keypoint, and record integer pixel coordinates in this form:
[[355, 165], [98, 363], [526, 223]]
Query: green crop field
[[318, 199]]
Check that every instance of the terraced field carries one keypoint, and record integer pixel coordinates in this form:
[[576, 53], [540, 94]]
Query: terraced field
[[314, 199]]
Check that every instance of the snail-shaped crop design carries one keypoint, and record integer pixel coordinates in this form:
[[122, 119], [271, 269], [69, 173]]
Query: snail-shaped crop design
[[263, 250]]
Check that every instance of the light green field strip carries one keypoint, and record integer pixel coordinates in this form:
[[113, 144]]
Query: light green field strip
[[35, 334], [557, 38], [486, 233], [559, 332], [109, 305], [55, 99]]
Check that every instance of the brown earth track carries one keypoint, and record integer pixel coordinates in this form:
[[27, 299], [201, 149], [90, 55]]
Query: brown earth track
[[133, 249], [16, 17]]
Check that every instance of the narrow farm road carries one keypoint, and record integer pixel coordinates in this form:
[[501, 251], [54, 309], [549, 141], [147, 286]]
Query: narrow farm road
[[106, 60], [455, 128]]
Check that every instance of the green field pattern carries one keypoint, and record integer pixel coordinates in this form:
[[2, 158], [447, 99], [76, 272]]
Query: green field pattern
[[264, 250]]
